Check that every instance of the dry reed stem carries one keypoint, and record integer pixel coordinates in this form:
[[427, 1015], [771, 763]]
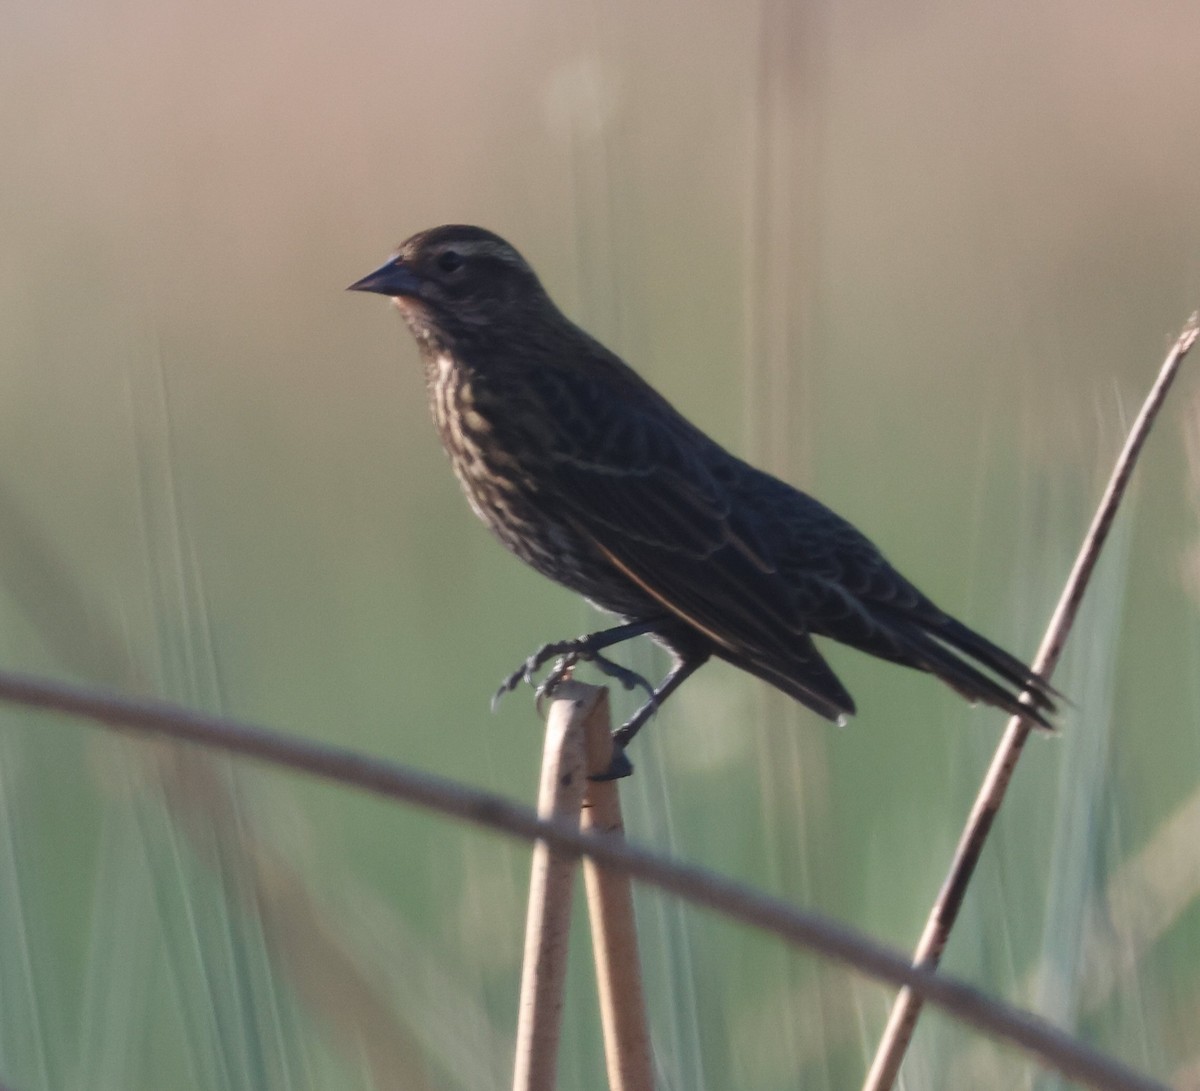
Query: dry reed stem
[[907, 1007], [1055, 1049]]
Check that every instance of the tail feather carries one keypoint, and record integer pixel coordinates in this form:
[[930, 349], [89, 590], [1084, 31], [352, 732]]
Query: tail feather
[[934, 642], [947, 651], [995, 658]]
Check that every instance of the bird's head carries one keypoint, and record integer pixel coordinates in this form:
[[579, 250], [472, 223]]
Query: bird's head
[[454, 283]]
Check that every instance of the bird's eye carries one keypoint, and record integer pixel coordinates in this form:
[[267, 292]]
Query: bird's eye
[[450, 261]]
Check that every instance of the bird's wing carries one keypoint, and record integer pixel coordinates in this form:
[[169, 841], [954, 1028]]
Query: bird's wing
[[655, 498], [832, 562], [673, 536], [753, 563], [896, 621]]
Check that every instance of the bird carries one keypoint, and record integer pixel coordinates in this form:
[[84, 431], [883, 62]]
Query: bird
[[588, 474]]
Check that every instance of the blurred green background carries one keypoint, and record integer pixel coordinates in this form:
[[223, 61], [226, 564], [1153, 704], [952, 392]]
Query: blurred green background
[[921, 259]]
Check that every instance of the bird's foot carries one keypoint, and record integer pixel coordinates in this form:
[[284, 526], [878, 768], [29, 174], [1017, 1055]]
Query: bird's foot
[[564, 668], [630, 679], [619, 767], [569, 653], [559, 673], [587, 649], [526, 671]]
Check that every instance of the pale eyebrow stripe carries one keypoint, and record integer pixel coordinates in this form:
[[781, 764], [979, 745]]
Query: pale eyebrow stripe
[[485, 248]]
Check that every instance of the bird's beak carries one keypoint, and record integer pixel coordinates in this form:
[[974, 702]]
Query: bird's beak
[[394, 279]]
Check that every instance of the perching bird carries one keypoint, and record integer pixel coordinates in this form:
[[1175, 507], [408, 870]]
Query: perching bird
[[588, 474]]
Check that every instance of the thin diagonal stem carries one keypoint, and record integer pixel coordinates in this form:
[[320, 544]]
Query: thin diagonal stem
[[798, 927], [907, 1007]]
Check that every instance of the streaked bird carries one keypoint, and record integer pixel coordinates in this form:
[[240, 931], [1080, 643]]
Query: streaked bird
[[588, 474]]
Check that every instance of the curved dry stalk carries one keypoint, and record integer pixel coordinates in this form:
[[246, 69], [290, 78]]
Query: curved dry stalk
[[907, 1008], [1055, 1049]]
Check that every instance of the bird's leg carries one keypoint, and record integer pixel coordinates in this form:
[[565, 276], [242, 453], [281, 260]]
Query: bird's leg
[[586, 648], [621, 766]]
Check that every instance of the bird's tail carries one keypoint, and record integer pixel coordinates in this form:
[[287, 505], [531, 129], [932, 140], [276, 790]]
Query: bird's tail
[[950, 651]]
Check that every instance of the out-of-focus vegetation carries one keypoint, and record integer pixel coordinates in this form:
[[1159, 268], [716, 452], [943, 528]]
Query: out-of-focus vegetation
[[922, 260]]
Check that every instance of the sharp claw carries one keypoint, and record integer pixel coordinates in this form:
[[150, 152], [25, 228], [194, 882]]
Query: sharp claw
[[507, 686], [550, 683]]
